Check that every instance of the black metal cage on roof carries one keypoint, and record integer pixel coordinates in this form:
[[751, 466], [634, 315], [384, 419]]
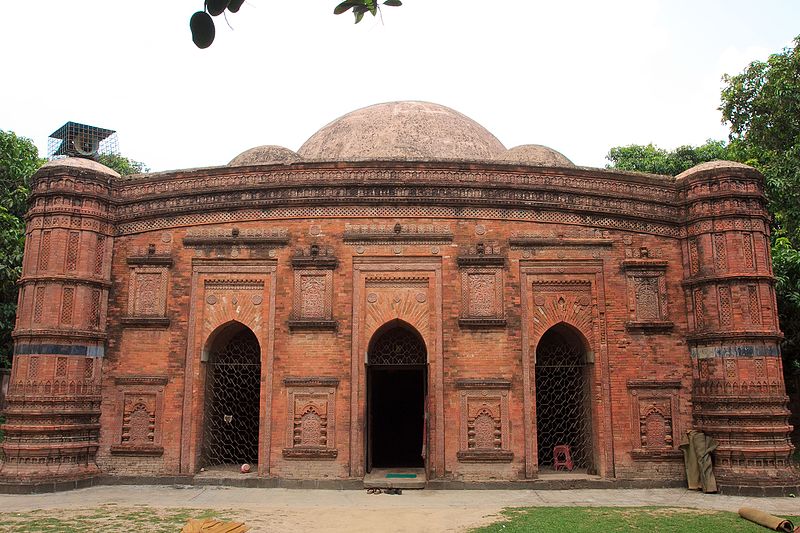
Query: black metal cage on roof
[[81, 140]]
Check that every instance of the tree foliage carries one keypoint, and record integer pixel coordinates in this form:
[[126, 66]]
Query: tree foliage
[[762, 107], [19, 159], [650, 158], [203, 30]]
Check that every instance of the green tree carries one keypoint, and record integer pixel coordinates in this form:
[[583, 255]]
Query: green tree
[[650, 158], [19, 159]]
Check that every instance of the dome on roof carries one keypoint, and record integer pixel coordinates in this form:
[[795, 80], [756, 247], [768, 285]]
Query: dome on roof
[[709, 165], [402, 130], [536, 154], [82, 163], [267, 154]]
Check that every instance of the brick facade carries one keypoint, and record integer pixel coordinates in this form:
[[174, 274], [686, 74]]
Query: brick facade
[[128, 284]]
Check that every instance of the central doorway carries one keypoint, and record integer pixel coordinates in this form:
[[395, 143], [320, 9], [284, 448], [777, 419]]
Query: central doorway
[[563, 399], [232, 398], [397, 377]]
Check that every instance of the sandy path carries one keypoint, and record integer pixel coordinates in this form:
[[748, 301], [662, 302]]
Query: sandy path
[[329, 510]]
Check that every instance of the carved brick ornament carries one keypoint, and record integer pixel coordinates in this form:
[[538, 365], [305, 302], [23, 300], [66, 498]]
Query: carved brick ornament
[[484, 435], [312, 414], [647, 294], [482, 296], [139, 423], [313, 290], [653, 406]]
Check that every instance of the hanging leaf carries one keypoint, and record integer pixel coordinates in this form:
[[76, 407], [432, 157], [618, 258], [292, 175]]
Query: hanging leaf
[[393, 3], [359, 15], [344, 6]]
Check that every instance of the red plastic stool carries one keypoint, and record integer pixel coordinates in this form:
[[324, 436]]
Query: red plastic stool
[[562, 450]]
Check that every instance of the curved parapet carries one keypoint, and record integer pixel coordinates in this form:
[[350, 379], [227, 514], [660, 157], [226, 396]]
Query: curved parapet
[[53, 415], [739, 394]]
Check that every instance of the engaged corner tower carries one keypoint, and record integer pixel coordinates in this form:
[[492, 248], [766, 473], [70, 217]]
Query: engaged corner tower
[[734, 339], [53, 416]]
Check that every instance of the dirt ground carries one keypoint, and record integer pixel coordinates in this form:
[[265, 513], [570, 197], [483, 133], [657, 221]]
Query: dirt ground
[[290, 510]]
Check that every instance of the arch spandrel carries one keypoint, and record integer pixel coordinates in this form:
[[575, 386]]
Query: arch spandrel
[[407, 305]]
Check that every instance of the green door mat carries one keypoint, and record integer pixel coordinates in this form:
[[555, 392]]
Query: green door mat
[[411, 476]]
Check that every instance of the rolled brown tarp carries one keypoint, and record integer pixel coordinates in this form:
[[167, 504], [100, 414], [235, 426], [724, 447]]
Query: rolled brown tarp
[[767, 520]]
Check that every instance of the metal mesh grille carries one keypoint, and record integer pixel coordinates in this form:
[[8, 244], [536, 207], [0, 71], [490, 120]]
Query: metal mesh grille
[[563, 414], [397, 346], [233, 387]]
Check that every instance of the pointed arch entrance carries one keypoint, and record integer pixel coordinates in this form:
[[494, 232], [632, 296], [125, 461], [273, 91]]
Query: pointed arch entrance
[[397, 377], [563, 400], [232, 397]]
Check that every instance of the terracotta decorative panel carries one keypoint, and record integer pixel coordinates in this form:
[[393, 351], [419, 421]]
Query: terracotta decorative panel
[[312, 415], [647, 294], [724, 295], [148, 292], [67, 304], [694, 257], [99, 254], [654, 404], [44, 251], [754, 305], [139, 416], [484, 435], [72, 252], [720, 252], [313, 289], [747, 251]]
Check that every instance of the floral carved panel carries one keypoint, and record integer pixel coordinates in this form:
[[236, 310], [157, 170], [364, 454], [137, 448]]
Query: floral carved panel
[[311, 424], [139, 415], [654, 418], [484, 436]]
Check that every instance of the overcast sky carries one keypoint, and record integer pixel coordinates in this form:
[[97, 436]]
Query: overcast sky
[[578, 76]]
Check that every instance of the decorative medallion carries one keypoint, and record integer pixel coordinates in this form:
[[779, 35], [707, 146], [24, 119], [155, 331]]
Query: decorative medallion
[[315, 230], [421, 297], [257, 299], [211, 299], [360, 249], [372, 297], [435, 250], [480, 229], [166, 237], [397, 250]]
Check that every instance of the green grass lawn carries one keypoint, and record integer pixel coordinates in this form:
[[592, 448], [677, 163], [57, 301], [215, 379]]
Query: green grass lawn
[[106, 518], [611, 519]]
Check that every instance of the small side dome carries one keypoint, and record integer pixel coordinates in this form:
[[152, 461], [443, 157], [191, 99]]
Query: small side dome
[[265, 155], [535, 154], [712, 165], [81, 163]]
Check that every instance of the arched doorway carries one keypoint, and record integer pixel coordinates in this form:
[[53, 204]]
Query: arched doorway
[[563, 405], [232, 397], [396, 392]]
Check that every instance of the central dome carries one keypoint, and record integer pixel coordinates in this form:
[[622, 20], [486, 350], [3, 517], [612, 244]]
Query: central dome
[[402, 130]]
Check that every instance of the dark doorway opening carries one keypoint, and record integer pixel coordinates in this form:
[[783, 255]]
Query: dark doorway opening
[[232, 398], [396, 392], [563, 406]]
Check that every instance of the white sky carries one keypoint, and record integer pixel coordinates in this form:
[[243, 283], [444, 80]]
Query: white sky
[[579, 76]]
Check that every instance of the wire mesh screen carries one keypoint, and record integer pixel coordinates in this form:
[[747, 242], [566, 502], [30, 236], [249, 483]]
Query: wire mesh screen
[[232, 394], [563, 415], [81, 140], [398, 346]]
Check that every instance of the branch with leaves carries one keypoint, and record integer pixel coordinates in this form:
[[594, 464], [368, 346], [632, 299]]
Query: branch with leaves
[[202, 23]]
